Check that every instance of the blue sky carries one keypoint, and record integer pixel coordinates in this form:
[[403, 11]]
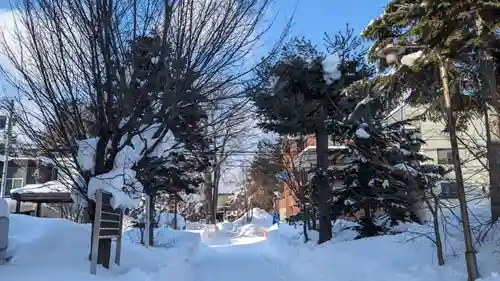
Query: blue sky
[[315, 17], [312, 19]]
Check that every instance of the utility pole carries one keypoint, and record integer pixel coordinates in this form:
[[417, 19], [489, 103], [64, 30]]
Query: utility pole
[[470, 253], [147, 221], [3, 188], [391, 53], [246, 195]]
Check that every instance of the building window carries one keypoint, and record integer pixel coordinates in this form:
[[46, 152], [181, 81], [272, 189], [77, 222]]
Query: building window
[[13, 183], [444, 156], [449, 190]]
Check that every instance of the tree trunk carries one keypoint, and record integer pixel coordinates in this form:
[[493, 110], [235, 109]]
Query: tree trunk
[[151, 219], [215, 195], [492, 119], [305, 223], [175, 214], [437, 234], [325, 224], [309, 222], [208, 198], [314, 221]]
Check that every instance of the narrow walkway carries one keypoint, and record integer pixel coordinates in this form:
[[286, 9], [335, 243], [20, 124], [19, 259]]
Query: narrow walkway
[[243, 259]]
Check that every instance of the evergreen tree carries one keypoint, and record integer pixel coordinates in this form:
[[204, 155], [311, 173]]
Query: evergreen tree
[[462, 36], [301, 90], [386, 176], [383, 177]]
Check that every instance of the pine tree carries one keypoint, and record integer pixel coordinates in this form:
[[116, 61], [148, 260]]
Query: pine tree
[[462, 35], [385, 176], [303, 89]]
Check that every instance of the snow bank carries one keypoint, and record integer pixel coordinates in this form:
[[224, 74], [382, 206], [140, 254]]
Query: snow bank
[[212, 236], [406, 256], [194, 226], [165, 237], [58, 250], [257, 217], [226, 226], [252, 230], [292, 235], [167, 219]]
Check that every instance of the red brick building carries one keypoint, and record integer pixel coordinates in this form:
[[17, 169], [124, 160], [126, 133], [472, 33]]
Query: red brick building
[[300, 154]]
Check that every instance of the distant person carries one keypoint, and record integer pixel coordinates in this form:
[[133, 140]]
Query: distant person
[[276, 218]]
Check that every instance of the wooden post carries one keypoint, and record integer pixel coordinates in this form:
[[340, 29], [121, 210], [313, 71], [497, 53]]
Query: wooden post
[[38, 212], [104, 257], [95, 233], [118, 250]]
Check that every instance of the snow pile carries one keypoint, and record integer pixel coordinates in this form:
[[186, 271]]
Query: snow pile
[[226, 226], [167, 219], [257, 217], [58, 250], [165, 237], [252, 230], [48, 187], [212, 236], [285, 235], [194, 226]]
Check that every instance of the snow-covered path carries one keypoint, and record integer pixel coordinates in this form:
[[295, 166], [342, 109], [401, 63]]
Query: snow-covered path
[[246, 258]]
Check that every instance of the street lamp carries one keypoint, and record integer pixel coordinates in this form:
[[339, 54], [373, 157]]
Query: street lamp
[[391, 53]]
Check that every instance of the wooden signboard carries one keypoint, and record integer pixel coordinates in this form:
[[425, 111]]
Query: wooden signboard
[[107, 225]]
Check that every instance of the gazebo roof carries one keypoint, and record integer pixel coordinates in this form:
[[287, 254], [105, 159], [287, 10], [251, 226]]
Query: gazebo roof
[[49, 192], [48, 197]]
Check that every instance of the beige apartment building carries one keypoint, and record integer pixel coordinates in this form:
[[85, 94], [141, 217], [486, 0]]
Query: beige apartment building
[[472, 143]]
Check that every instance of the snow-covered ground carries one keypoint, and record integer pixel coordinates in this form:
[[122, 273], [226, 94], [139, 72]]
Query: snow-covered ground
[[58, 249], [408, 256]]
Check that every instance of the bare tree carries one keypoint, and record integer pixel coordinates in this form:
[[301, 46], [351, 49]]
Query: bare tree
[[296, 171], [82, 71], [229, 129]]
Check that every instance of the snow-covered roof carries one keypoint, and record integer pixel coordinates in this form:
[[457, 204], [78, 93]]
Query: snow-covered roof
[[48, 187], [33, 158], [2, 158]]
